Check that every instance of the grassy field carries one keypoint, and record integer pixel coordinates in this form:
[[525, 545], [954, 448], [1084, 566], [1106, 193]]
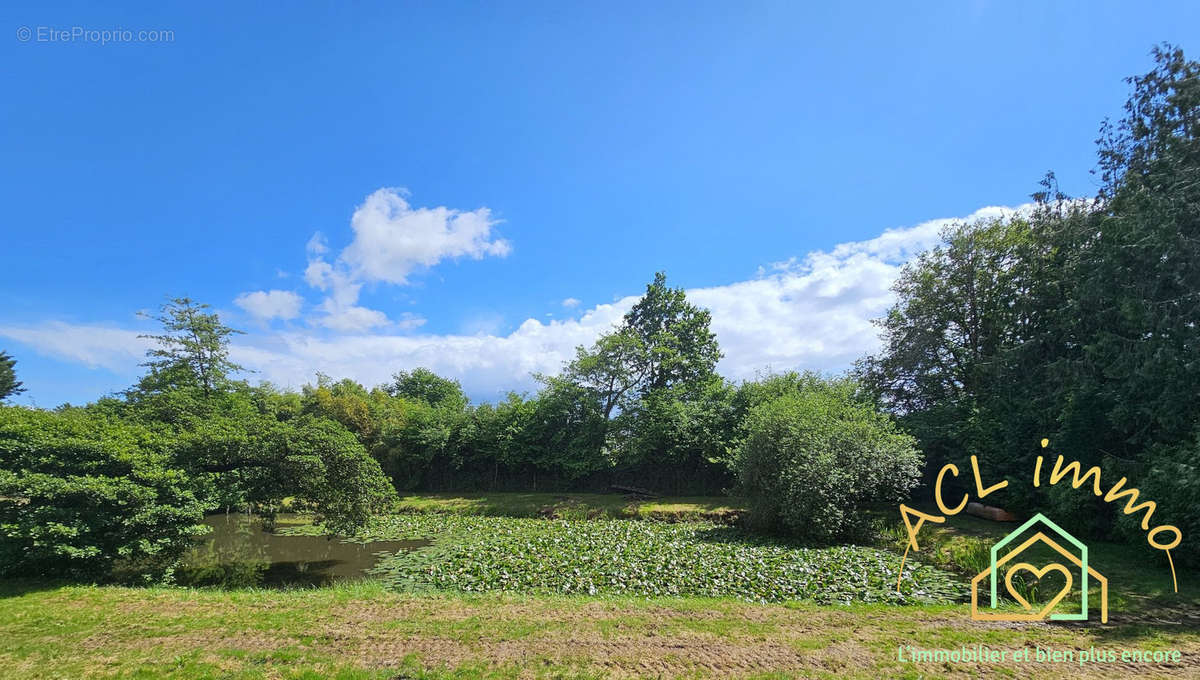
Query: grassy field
[[367, 631], [575, 506], [423, 617]]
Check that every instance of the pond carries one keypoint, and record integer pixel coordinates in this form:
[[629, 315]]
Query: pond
[[240, 551]]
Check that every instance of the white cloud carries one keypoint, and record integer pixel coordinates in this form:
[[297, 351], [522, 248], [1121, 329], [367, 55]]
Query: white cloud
[[316, 245], [811, 312], [391, 241], [95, 346], [570, 303], [488, 365], [340, 308], [408, 321], [352, 318], [265, 305]]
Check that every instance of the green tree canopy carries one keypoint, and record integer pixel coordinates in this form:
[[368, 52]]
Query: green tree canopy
[[612, 370], [425, 385], [677, 346], [663, 343], [9, 385], [82, 493], [1077, 323], [192, 350]]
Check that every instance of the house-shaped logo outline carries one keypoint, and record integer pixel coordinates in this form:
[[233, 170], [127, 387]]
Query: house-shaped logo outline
[[991, 573]]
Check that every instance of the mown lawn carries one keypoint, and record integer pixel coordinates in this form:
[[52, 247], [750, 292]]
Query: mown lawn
[[368, 631], [506, 594]]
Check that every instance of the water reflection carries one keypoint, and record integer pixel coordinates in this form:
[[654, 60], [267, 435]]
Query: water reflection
[[240, 551]]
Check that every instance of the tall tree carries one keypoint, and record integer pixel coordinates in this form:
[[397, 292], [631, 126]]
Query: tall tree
[[9, 385], [678, 348], [1136, 268], [950, 342], [611, 369], [1078, 324], [653, 383], [192, 351], [664, 342]]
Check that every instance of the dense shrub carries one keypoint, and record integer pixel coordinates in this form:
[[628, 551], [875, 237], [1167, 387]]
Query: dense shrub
[[260, 460], [672, 429], [345, 485], [564, 432], [1173, 483], [79, 492], [813, 459], [412, 436]]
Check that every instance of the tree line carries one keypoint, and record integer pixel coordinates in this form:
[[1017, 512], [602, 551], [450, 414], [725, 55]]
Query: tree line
[[119, 486], [1077, 322]]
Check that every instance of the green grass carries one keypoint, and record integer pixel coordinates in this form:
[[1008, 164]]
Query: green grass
[[502, 597], [365, 631], [626, 557], [1139, 577], [575, 506]]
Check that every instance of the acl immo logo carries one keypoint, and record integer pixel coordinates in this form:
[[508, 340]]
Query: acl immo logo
[[1039, 535]]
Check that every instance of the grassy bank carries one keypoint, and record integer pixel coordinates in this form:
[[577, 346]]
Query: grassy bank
[[1140, 577], [366, 631], [575, 506]]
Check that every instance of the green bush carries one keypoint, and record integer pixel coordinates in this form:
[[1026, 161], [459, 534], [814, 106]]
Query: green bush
[[1173, 483], [347, 487], [813, 460], [260, 461], [80, 493], [412, 436]]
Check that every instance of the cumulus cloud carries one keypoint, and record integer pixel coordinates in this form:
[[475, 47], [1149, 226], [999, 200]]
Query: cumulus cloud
[[570, 303], [265, 305], [488, 365], [340, 308], [391, 241], [352, 318], [809, 312]]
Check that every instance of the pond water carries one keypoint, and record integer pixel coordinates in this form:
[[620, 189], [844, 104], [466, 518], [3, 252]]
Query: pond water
[[240, 551]]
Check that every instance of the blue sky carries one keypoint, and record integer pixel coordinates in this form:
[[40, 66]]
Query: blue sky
[[470, 167]]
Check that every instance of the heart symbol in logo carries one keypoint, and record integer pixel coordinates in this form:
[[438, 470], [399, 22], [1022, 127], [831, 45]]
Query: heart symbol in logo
[[1038, 574]]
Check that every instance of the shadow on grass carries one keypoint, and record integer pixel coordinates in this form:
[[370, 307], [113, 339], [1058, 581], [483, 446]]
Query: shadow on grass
[[1129, 627], [19, 587]]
